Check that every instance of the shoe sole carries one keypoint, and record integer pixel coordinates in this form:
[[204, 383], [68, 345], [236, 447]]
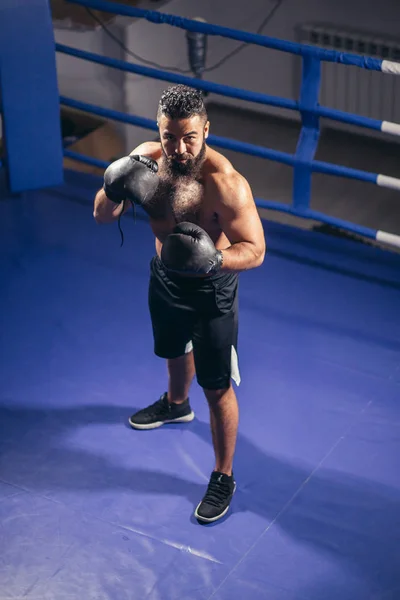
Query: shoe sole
[[185, 419], [212, 519]]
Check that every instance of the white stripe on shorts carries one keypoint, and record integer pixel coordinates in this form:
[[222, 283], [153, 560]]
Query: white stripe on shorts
[[235, 366]]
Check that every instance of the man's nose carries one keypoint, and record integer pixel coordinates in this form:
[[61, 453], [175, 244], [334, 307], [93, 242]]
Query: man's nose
[[180, 147]]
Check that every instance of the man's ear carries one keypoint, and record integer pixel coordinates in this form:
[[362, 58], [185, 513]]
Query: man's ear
[[206, 129]]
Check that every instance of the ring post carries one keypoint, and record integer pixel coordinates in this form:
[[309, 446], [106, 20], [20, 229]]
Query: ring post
[[308, 139], [29, 96]]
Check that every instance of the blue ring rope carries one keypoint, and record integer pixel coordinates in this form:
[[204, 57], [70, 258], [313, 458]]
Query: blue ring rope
[[234, 34], [109, 113], [308, 106], [89, 160], [220, 89], [315, 216], [260, 203], [228, 144], [208, 86]]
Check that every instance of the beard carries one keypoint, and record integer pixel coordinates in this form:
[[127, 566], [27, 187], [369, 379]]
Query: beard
[[191, 168]]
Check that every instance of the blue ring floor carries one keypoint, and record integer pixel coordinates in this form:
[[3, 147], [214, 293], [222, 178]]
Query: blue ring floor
[[91, 509]]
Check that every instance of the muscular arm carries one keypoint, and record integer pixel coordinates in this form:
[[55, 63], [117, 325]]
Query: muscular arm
[[106, 211], [240, 221]]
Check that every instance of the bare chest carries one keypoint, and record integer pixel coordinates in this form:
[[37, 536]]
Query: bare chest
[[188, 202], [184, 201]]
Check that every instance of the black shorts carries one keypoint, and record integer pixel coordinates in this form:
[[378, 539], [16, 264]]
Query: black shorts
[[197, 314]]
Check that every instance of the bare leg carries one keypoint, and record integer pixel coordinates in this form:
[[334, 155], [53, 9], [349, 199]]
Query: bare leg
[[224, 419], [181, 371]]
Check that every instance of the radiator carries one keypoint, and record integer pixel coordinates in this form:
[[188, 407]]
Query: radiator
[[351, 89]]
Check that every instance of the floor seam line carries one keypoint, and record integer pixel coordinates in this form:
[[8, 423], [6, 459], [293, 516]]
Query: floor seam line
[[289, 502]]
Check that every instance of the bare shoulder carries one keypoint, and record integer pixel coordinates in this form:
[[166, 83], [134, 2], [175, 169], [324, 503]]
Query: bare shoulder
[[151, 149], [225, 183]]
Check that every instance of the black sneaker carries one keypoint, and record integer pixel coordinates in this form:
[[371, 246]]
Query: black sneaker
[[162, 412], [217, 498]]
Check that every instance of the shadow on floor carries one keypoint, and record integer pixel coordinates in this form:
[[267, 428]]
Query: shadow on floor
[[355, 520]]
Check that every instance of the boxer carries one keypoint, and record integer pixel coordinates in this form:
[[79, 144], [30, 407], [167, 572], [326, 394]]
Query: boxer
[[207, 231]]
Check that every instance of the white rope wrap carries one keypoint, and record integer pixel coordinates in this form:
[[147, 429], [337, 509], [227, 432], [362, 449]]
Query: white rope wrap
[[388, 238], [390, 67]]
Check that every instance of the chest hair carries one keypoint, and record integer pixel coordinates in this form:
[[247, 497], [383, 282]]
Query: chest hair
[[177, 201], [186, 201]]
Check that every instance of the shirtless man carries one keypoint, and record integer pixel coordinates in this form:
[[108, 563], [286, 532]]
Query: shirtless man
[[207, 230]]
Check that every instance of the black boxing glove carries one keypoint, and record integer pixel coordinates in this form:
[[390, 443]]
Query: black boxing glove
[[132, 177], [189, 250]]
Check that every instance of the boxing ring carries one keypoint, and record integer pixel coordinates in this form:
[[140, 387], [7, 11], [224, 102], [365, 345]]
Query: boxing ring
[[90, 508]]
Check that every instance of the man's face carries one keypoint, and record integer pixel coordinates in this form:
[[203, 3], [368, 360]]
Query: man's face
[[183, 143]]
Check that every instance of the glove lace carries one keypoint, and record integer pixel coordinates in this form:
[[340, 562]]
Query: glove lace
[[119, 219]]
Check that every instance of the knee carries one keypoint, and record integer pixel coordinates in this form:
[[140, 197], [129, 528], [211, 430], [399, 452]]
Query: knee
[[214, 396]]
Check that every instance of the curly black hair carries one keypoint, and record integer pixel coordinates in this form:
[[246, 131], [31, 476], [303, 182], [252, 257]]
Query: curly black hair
[[181, 102]]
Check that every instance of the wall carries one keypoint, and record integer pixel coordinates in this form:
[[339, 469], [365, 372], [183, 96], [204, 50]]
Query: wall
[[254, 68], [87, 81]]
